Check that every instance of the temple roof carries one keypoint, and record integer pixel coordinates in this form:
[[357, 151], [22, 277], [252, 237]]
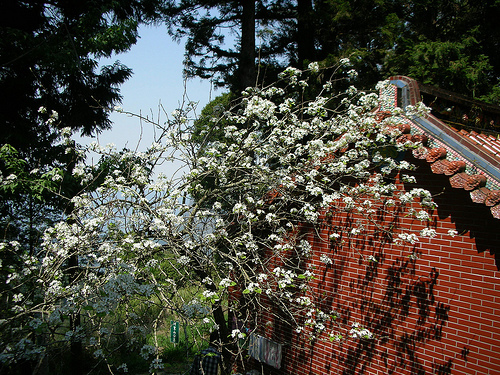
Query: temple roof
[[471, 158]]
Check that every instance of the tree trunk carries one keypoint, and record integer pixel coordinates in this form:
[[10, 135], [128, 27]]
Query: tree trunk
[[224, 333], [76, 348], [305, 33], [246, 70]]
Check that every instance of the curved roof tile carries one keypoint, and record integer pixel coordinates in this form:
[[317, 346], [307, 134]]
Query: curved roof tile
[[470, 159]]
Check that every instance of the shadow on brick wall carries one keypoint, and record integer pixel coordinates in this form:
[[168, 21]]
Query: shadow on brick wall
[[455, 204], [389, 297], [394, 296]]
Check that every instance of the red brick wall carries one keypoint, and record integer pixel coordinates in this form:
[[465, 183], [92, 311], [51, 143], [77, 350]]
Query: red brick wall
[[433, 312]]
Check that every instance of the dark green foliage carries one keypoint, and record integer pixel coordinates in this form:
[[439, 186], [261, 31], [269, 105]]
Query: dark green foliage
[[49, 79], [454, 65], [451, 44], [221, 37], [204, 126], [51, 62], [178, 353]]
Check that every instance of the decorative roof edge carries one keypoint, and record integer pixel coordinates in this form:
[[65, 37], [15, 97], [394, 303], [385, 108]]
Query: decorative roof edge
[[449, 152]]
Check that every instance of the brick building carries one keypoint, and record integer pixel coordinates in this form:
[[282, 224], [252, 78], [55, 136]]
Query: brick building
[[432, 306]]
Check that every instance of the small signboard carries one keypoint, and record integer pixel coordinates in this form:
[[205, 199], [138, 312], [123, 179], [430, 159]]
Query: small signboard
[[265, 350], [174, 332]]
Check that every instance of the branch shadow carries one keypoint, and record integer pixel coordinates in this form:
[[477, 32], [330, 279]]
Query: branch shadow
[[401, 308], [457, 205]]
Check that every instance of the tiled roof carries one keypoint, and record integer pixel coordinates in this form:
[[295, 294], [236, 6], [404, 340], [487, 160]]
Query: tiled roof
[[470, 159], [490, 143]]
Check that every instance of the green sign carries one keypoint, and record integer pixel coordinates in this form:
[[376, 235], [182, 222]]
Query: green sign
[[174, 331]]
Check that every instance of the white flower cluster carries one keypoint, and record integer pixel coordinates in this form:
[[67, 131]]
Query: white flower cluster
[[304, 301], [259, 107], [225, 283], [246, 186], [210, 295], [424, 195], [291, 74], [313, 67], [358, 332], [252, 288], [411, 238], [305, 248], [236, 333], [148, 351], [284, 277], [184, 260], [326, 259], [428, 232]]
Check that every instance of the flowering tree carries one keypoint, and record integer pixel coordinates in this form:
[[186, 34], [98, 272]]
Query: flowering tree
[[209, 242]]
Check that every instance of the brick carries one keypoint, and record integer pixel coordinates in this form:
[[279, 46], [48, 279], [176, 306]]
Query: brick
[[453, 274], [475, 289], [467, 287], [460, 256], [487, 319], [473, 277], [483, 345]]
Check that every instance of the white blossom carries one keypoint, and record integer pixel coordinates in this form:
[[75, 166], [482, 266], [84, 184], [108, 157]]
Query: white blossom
[[224, 283], [314, 67], [411, 238], [235, 210], [236, 333], [184, 260], [352, 74], [345, 61], [428, 232], [359, 332], [326, 259]]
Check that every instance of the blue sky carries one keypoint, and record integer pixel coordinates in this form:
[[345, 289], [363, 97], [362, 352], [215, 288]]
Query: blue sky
[[156, 61]]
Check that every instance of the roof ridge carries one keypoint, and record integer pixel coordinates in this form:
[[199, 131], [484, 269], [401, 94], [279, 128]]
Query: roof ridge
[[467, 157]]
